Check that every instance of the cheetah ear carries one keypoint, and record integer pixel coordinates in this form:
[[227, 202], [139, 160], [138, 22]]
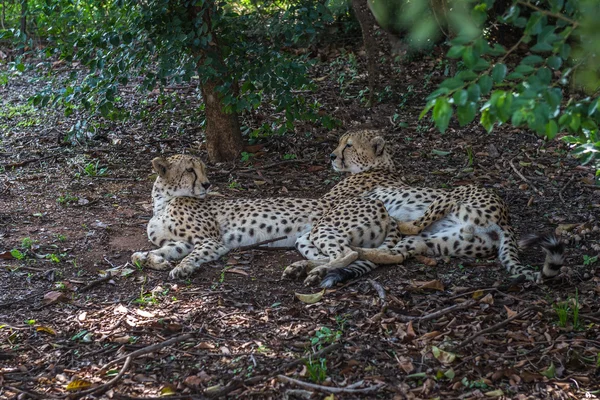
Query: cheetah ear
[[160, 165], [378, 144]]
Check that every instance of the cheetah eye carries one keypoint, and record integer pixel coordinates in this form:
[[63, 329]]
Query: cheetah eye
[[190, 170], [348, 145]]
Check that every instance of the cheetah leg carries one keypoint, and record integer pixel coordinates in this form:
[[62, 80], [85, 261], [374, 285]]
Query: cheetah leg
[[315, 275], [301, 268], [307, 248], [159, 259], [208, 250], [437, 210]]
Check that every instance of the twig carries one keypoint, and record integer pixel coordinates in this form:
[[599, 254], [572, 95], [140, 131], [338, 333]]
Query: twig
[[102, 388], [492, 328], [564, 187], [549, 13], [33, 395], [236, 384], [436, 314], [329, 389], [255, 245], [150, 349], [95, 283], [525, 179], [25, 162], [278, 163], [378, 288]]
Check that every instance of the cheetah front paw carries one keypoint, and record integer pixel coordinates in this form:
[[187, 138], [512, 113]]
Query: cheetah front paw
[[182, 271], [408, 228], [296, 270], [316, 275], [139, 258]]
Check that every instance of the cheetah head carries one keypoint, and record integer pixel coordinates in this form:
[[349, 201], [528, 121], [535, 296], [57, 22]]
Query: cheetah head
[[181, 176], [360, 151]]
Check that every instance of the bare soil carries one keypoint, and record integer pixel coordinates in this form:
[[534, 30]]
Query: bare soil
[[70, 213]]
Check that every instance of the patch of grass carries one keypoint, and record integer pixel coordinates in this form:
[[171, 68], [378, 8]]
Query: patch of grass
[[325, 336], [567, 308], [316, 370], [587, 260], [67, 199], [93, 169], [17, 254], [27, 243]]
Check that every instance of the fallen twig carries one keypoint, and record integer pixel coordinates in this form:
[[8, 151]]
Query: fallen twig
[[95, 283], [255, 245], [104, 387], [278, 163], [525, 179], [149, 349], [378, 288], [436, 314], [492, 328], [29, 161], [563, 189], [254, 380], [329, 389], [33, 395]]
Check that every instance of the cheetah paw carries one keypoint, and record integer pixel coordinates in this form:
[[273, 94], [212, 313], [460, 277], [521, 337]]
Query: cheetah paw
[[181, 271], [316, 275], [408, 228], [139, 258], [296, 270]]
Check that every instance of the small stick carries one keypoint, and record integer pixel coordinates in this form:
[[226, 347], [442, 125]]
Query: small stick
[[436, 314], [255, 245], [563, 189], [107, 385], [236, 384], [378, 288], [25, 162], [278, 163], [492, 328], [329, 389], [33, 395], [150, 349], [525, 179], [95, 283]]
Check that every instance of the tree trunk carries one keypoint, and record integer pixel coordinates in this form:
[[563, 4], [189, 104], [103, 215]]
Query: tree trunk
[[223, 135], [23, 16], [367, 22]]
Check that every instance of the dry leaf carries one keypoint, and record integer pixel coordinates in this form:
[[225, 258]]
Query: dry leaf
[[406, 365], [488, 299], [237, 271], [315, 168], [430, 262], [510, 313], [442, 356], [167, 391], [46, 330], [495, 393], [144, 314], [310, 298], [477, 294], [54, 297], [205, 345], [433, 285], [192, 381], [410, 332], [78, 384]]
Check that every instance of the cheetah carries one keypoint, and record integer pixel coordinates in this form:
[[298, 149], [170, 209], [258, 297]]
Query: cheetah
[[190, 225], [467, 221]]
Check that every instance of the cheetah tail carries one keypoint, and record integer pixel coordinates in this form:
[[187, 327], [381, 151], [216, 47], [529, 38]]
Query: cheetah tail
[[552, 246], [355, 270]]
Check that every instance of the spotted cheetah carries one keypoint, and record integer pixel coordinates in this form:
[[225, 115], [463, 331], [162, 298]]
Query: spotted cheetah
[[466, 221], [189, 225]]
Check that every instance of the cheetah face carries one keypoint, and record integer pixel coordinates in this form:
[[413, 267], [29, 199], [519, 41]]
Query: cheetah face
[[361, 151], [181, 176]]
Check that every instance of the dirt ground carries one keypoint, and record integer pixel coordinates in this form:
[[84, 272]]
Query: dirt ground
[[71, 213]]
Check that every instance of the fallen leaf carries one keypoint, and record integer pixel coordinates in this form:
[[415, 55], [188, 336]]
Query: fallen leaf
[[45, 329], [495, 393], [430, 262], [406, 364], [205, 345], [144, 314], [315, 168], [167, 391], [488, 299], [237, 271], [78, 384], [54, 297], [510, 313], [529, 377], [440, 152], [450, 374], [192, 381], [6, 255], [310, 298], [550, 372], [122, 339], [478, 294], [442, 356], [433, 285]]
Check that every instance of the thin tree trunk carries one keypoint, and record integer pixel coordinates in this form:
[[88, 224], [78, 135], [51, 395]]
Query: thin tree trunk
[[24, 16], [367, 23], [223, 135]]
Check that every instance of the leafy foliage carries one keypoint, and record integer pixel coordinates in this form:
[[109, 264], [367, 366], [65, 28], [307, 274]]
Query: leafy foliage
[[245, 47], [547, 81]]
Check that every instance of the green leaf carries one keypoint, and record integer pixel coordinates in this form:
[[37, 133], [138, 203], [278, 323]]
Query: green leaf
[[455, 51], [550, 373], [551, 129], [499, 72], [541, 47], [460, 97], [544, 75], [428, 107], [466, 113], [524, 69], [485, 84], [474, 92], [452, 83], [440, 152], [554, 62], [442, 111], [487, 120], [532, 60], [468, 57]]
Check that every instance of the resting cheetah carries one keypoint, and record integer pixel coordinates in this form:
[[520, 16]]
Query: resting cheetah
[[466, 221], [187, 224]]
